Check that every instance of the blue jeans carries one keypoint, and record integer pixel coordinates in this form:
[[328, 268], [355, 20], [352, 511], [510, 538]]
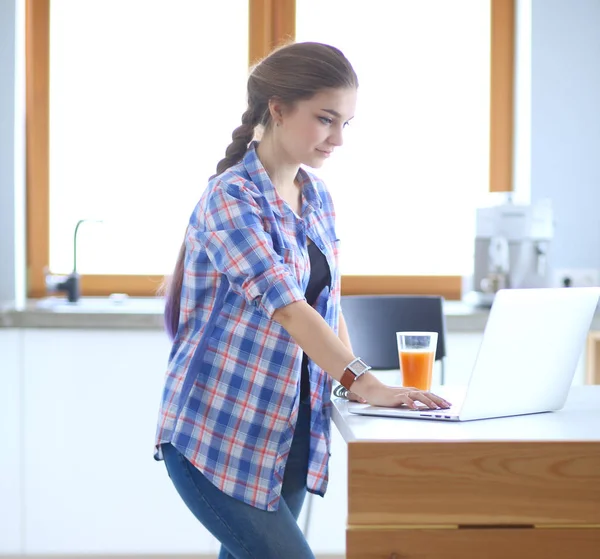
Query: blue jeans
[[244, 531]]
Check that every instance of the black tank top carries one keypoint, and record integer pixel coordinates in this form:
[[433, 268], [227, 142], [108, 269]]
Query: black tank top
[[320, 277]]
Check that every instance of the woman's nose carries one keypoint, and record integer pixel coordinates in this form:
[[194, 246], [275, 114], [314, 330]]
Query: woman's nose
[[336, 138]]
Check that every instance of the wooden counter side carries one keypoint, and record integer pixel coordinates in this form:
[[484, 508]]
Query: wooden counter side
[[474, 483], [472, 543]]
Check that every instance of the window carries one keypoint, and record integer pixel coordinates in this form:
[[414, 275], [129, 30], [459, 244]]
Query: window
[[157, 175], [141, 111], [415, 163]]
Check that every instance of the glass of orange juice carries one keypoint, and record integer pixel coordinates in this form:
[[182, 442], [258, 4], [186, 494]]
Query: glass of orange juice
[[416, 351]]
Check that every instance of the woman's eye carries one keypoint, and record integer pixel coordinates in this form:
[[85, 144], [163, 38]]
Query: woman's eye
[[325, 120]]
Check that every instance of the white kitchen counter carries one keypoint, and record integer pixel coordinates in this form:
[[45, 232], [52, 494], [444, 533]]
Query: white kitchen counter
[[579, 420]]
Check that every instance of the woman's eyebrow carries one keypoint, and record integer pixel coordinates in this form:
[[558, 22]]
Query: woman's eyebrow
[[335, 113]]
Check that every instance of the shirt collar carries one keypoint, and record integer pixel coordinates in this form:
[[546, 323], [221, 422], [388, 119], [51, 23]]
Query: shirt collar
[[310, 192], [260, 177]]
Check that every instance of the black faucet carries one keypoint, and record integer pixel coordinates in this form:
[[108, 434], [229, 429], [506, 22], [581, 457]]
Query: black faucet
[[70, 284]]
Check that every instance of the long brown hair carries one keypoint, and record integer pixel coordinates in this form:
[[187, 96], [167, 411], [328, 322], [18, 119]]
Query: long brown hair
[[289, 74]]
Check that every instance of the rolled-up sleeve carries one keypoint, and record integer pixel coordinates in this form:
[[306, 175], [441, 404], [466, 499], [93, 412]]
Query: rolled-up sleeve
[[233, 235]]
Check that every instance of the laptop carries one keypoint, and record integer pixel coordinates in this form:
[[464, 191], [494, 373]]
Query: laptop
[[531, 345]]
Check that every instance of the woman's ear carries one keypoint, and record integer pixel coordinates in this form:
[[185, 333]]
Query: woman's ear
[[276, 110]]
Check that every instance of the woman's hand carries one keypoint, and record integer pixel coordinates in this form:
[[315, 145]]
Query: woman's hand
[[367, 389]]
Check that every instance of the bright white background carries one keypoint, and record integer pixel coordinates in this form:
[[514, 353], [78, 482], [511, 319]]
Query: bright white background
[[144, 96], [415, 163]]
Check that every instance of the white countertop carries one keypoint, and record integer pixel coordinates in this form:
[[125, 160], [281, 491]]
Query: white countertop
[[579, 420], [147, 313]]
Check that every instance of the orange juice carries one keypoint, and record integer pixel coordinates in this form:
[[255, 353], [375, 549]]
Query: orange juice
[[416, 366]]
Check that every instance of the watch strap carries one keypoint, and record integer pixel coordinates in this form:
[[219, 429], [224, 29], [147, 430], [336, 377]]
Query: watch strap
[[348, 377]]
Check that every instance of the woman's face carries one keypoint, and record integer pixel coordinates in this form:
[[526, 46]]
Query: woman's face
[[313, 128]]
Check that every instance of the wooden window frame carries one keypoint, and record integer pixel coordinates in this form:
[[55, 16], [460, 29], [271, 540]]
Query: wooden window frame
[[271, 22]]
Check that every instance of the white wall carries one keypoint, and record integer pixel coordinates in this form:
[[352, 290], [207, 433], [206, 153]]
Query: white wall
[[12, 138], [565, 124]]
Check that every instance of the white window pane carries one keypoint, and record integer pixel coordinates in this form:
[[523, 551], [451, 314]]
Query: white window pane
[[415, 161], [144, 95]]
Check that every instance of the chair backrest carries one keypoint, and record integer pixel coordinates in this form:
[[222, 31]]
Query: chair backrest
[[373, 321]]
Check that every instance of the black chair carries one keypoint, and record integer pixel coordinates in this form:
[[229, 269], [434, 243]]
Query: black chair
[[373, 321]]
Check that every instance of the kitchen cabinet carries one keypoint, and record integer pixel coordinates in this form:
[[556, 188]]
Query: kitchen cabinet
[[524, 486], [10, 435], [91, 483]]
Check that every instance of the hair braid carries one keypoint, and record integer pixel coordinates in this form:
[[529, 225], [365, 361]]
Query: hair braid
[[241, 137]]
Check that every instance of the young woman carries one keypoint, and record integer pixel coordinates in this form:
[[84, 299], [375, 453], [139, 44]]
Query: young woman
[[254, 312]]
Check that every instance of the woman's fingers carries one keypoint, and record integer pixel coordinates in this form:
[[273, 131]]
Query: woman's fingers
[[410, 397], [405, 399], [440, 401], [397, 396], [422, 397]]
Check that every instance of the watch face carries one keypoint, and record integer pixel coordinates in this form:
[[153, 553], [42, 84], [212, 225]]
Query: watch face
[[359, 367]]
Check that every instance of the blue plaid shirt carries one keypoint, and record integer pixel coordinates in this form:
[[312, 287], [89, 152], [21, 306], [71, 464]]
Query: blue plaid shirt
[[230, 401]]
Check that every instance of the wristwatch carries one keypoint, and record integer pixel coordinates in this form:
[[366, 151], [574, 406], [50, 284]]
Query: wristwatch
[[352, 371]]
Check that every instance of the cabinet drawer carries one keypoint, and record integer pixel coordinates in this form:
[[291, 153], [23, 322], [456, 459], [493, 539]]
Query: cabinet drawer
[[532, 543], [466, 483]]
